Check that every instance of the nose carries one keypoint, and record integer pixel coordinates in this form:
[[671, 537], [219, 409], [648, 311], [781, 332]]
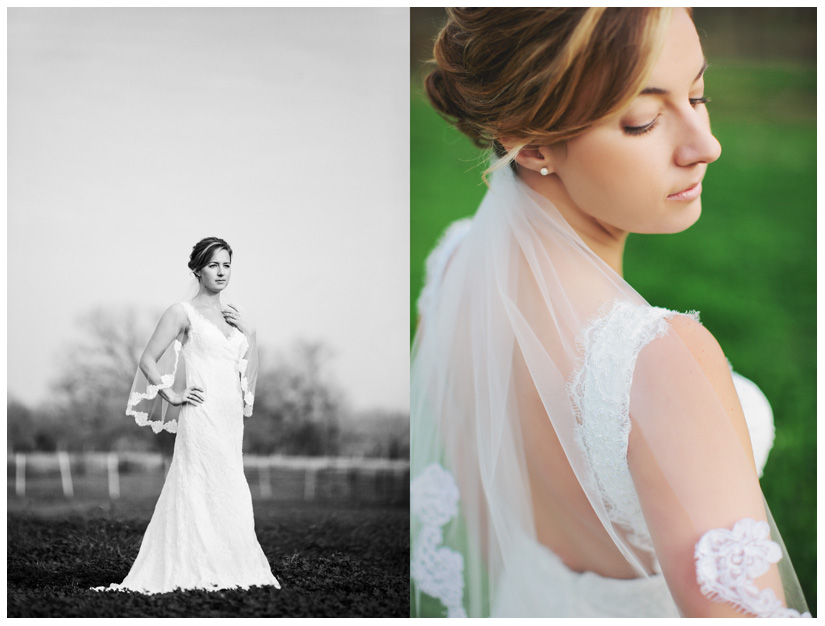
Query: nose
[[697, 144]]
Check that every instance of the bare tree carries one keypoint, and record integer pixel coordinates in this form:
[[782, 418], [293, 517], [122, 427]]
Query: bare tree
[[297, 405], [96, 375]]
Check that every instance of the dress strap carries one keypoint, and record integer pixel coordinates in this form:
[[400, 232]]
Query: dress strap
[[189, 310], [600, 394]]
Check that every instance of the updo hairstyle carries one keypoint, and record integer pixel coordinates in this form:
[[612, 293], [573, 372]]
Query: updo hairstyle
[[204, 250], [540, 76]]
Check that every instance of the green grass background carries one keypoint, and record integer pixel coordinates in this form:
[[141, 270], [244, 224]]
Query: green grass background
[[748, 265]]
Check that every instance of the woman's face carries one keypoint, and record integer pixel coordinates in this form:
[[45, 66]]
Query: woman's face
[[215, 274], [641, 170]]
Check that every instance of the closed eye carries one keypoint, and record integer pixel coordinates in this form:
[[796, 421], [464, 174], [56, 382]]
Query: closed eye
[[646, 128], [641, 130]]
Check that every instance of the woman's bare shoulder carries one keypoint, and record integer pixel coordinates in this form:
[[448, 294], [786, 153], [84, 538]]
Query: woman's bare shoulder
[[175, 314], [711, 360], [703, 346], [175, 310]]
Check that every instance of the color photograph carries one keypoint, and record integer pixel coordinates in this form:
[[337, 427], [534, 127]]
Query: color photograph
[[613, 311]]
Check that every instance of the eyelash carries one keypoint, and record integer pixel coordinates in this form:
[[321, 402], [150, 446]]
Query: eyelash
[[641, 130]]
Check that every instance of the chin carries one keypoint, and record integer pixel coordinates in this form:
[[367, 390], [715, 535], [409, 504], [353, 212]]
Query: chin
[[692, 215], [679, 221]]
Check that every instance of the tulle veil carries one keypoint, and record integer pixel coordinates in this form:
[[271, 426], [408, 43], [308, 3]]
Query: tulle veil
[[508, 359]]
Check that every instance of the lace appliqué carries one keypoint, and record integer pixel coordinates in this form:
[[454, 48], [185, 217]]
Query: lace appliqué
[[166, 381], [437, 570], [600, 392], [248, 397], [728, 561]]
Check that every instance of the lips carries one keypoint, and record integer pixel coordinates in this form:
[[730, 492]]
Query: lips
[[687, 194]]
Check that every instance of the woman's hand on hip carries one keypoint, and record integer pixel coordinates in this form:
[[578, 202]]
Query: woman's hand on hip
[[191, 395]]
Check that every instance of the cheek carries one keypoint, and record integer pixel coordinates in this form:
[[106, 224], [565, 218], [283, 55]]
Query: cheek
[[616, 181]]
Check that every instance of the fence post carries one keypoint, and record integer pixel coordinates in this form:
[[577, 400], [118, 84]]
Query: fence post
[[20, 475], [65, 473], [263, 480], [114, 477], [309, 482]]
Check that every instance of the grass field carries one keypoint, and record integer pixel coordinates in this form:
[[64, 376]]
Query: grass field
[[748, 265], [342, 561]]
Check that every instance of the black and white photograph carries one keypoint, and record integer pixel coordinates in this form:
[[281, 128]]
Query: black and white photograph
[[208, 312]]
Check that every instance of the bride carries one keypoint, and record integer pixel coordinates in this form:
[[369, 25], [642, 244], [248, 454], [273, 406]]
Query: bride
[[575, 450], [196, 378]]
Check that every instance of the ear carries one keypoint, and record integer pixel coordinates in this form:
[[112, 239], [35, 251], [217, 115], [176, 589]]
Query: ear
[[534, 158]]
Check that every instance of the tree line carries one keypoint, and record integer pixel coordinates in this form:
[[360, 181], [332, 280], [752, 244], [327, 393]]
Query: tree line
[[299, 410]]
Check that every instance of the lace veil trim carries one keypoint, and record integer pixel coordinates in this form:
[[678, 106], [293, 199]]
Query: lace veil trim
[[166, 381], [728, 561], [437, 570]]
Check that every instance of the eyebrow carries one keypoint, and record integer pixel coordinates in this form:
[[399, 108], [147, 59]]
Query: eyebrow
[[657, 91]]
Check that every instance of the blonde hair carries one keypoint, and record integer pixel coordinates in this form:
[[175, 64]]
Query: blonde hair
[[540, 76]]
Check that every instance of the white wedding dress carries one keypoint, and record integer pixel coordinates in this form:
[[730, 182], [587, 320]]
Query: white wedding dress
[[202, 533], [536, 582]]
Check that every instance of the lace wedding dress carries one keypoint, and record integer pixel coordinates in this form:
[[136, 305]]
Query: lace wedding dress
[[202, 534], [532, 366]]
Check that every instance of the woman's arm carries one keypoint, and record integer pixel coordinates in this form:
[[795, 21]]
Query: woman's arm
[[173, 321], [690, 456]]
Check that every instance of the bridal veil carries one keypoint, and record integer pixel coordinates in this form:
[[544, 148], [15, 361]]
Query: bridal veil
[[545, 388]]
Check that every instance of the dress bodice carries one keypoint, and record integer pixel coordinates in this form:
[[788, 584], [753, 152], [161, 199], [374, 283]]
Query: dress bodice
[[216, 360], [205, 342], [600, 391]]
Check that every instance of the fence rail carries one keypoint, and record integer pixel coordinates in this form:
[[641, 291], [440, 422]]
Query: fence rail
[[135, 475]]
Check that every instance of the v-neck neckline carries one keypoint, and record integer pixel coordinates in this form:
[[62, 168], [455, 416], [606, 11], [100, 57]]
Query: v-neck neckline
[[212, 324]]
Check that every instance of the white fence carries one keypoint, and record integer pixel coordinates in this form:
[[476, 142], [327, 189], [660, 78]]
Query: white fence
[[136, 474]]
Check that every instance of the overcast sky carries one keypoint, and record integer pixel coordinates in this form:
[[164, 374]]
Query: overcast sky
[[133, 133]]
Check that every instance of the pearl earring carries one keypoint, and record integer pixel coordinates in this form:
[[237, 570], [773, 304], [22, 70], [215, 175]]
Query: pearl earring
[[544, 171]]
